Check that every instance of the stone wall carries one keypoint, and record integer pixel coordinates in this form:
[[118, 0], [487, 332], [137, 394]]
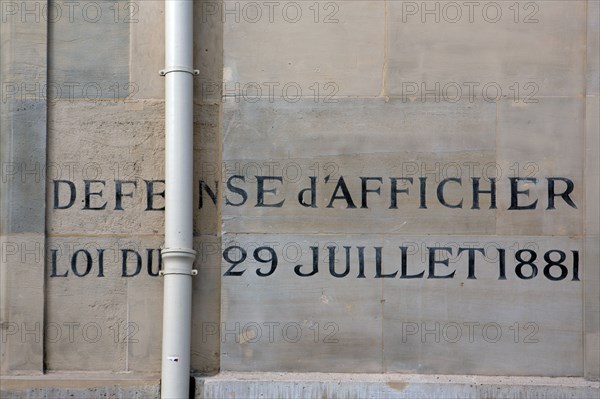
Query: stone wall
[[407, 110], [381, 187]]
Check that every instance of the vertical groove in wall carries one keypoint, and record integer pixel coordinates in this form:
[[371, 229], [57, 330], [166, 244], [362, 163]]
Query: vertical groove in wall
[[23, 155], [583, 173], [5, 144], [46, 195], [591, 211], [385, 49]]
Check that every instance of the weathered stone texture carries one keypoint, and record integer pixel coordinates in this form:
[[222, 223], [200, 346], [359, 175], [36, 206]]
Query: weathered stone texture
[[526, 118], [307, 91], [23, 64], [303, 44], [488, 43], [105, 191]]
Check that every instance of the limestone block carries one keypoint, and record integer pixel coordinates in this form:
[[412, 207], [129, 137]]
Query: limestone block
[[114, 313], [497, 48], [107, 145], [78, 73], [23, 167], [145, 301], [23, 65], [286, 322], [591, 303], [206, 305], [118, 154], [593, 48], [207, 127], [538, 141], [349, 126], [592, 348], [148, 44], [303, 47], [147, 49], [142, 331], [22, 302], [88, 322], [208, 50], [592, 166], [482, 325], [207, 167]]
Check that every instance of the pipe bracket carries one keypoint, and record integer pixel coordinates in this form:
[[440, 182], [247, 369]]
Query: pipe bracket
[[164, 72], [192, 272], [182, 258]]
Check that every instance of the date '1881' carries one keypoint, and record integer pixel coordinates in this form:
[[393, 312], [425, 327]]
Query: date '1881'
[[554, 264]]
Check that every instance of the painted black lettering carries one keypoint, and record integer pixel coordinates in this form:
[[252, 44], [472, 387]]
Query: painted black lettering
[[395, 190], [565, 195], [514, 193], [313, 194], [477, 191], [433, 262], [237, 190], [260, 191], [341, 185], [72, 194], [119, 193], [150, 194], [440, 192]]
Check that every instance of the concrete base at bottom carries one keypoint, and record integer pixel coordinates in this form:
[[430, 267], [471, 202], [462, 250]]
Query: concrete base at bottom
[[298, 385], [57, 385], [405, 386]]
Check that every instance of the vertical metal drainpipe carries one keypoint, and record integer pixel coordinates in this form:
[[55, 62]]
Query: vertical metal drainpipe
[[178, 255]]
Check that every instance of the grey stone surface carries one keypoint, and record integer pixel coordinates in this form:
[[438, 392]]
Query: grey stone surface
[[286, 322], [148, 50], [23, 63], [206, 305], [360, 56], [23, 150], [354, 126], [123, 141], [88, 318], [593, 48], [208, 51], [592, 239], [333, 42], [456, 44], [22, 285], [103, 73], [113, 322], [591, 302], [592, 166], [539, 141], [538, 133], [391, 139], [482, 326]]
